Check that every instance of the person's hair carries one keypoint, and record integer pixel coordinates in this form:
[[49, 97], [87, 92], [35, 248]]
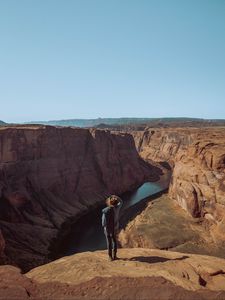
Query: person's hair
[[112, 200]]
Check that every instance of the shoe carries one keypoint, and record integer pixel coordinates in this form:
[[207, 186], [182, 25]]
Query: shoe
[[115, 257], [110, 258]]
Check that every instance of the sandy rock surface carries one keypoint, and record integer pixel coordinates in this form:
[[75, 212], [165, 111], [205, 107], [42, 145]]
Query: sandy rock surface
[[139, 274], [189, 271]]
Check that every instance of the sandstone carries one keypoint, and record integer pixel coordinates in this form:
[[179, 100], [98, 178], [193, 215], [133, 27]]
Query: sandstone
[[49, 175], [136, 262], [185, 273], [197, 157], [14, 285], [163, 224]]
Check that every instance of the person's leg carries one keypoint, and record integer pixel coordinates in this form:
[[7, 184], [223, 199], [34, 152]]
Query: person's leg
[[109, 242], [114, 245], [109, 245]]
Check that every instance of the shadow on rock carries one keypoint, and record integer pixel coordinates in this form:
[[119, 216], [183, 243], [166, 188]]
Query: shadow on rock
[[154, 259]]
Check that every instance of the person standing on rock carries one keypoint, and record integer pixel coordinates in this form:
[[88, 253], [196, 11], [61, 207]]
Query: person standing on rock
[[110, 223]]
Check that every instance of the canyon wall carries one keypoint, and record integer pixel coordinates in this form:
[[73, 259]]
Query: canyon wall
[[197, 156], [197, 159], [49, 175], [162, 144]]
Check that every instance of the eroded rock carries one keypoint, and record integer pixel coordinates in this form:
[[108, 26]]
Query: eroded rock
[[49, 175], [197, 156], [182, 271]]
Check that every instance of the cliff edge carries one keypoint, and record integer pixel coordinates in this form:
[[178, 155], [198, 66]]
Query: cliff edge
[[138, 274]]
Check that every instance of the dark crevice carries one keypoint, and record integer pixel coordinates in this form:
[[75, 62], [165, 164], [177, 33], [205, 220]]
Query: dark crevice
[[202, 281], [219, 272]]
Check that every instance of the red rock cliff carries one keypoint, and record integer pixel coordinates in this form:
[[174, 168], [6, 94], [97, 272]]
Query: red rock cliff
[[50, 174], [197, 156]]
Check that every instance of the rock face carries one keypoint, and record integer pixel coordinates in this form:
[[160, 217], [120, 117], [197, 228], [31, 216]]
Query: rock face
[[199, 178], [162, 144], [197, 159], [197, 156], [163, 224], [49, 174]]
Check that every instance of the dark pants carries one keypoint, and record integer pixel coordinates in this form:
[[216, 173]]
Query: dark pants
[[111, 242]]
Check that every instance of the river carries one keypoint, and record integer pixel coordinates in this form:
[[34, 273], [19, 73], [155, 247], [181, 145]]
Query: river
[[87, 234]]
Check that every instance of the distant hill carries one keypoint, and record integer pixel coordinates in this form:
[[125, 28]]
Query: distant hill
[[111, 122], [2, 123]]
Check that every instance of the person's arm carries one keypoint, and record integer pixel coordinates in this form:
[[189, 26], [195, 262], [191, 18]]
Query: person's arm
[[103, 220], [120, 202]]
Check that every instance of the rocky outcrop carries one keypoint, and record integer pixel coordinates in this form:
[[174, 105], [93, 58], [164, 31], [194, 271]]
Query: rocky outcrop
[[138, 274], [197, 159], [197, 156], [162, 144], [163, 224], [49, 175], [182, 269], [199, 178]]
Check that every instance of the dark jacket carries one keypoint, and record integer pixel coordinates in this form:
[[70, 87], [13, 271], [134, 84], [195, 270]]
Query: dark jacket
[[108, 218]]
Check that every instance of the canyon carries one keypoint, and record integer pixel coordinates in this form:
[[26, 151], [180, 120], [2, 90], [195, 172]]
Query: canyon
[[52, 176], [49, 175]]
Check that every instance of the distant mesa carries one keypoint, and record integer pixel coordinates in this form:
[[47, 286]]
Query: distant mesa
[[118, 122], [103, 126]]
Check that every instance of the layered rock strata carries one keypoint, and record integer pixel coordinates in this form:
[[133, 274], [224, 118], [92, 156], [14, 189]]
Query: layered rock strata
[[49, 175], [163, 224], [197, 156]]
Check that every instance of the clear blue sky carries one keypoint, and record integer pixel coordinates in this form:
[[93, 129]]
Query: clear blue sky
[[64, 59]]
